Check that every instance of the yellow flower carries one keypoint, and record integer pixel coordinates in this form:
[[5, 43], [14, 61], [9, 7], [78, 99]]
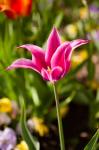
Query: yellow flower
[[79, 57], [97, 115], [93, 84], [22, 146], [64, 110], [83, 12], [5, 105], [39, 126], [71, 30]]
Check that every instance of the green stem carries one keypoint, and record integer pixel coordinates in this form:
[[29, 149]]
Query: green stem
[[62, 144]]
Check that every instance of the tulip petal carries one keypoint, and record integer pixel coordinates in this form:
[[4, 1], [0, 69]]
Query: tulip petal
[[34, 49], [14, 9], [65, 50], [23, 63], [74, 44], [38, 55], [58, 56], [45, 74], [66, 67], [56, 74], [63, 62], [52, 44]]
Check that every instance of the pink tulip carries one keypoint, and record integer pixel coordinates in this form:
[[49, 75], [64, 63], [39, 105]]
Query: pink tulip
[[54, 63]]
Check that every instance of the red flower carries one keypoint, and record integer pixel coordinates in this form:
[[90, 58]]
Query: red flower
[[16, 8]]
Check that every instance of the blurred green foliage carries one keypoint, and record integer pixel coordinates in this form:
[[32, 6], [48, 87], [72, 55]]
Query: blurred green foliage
[[28, 85]]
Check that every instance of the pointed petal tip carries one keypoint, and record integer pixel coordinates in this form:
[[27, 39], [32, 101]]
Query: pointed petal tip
[[8, 68], [54, 29], [78, 42], [85, 41], [25, 46], [22, 46], [52, 43], [82, 40]]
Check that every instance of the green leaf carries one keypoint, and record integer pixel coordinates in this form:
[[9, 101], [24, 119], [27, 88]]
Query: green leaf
[[53, 115], [58, 19], [93, 142], [30, 140], [91, 70]]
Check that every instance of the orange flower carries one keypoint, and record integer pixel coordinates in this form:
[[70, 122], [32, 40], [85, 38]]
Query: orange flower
[[16, 8]]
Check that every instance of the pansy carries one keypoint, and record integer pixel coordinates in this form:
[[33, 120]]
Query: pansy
[[38, 125], [7, 139], [16, 8], [22, 146], [94, 9], [52, 64], [5, 105]]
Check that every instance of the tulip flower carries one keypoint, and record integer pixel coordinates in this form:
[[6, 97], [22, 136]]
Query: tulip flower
[[16, 8], [54, 63]]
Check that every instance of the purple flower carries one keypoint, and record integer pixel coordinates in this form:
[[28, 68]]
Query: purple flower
[[7, 139], [94, 34], [94, 9], [52, 64]]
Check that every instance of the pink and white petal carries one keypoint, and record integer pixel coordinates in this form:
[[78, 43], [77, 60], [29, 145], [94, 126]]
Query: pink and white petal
[[58, 56], [68, 52], [76, 43], [67, 65], [56, 74], [23, 63], [45, 74], [52, 44], [38, 54], [34, 49]]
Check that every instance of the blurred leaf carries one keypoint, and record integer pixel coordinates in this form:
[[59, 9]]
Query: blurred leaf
[[58, 19], [93, 142], [91, 70], [35, 96], [97, 96], [30, 140], [53, 115]]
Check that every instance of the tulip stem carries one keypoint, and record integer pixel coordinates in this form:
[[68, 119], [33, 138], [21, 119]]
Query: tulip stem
[[61, 136]]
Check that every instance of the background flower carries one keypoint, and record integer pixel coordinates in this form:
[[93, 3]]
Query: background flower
[[16, 8], [22, 146], [4, 119], [5, 105], [7, 139]]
